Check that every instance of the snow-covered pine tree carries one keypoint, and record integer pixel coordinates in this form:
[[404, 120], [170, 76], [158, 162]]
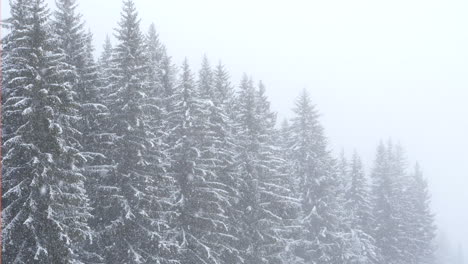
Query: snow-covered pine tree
[[155, 112], [292, 208], [72, 39], [289, 181], [106, 56], [223, 90], [17, 25], [358, 204], [421, 221], [358, 194], [277, 180], [343, 170], [319, 239], [159, 126], [163, 77], [402, 203], [283, 137], [131, 211], [168, 80], [344, 179], [205, 80], [45, 206], [168, 72], [260, 193], [225, 96], [154, 53], [268, 118], [98, 183], [105, 66], [201, 198], [77, 46], [95, 137], [220, 149], [390, 206], [383, 207]]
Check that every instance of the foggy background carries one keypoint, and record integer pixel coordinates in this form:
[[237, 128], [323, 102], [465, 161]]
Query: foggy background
[[375, 69]]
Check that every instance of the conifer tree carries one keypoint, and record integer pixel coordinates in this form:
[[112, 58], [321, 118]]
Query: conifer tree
[[223, 90], [77, 47], [168, 72], [292, 207], [132, 208], [289, 181], [283, 202], [319, 239], [45, 206], [205, 80], [154, 55], [344, 176], [260, 193], [225, 98], [220, 150], [359, 196], [358, 204], [343, 170], [401, 202], [105, 67], [390, 205], [155, 112], [384, 211], [421, 221], [283, 138], [70, 35], [201, 197]]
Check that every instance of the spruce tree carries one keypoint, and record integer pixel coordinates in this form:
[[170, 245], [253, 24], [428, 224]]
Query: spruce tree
[[205, 80], [422, 228], [45, 206], [224, 93], [390, 206], [383, 209], [154, 55], [168, 76], [402, 202], [344, 171], [201, 196], [260, 193], [319, 239], [77, 47], [105, 67], [132, 207], [220, 150], [292, 207], [283, 203], [358, 205]]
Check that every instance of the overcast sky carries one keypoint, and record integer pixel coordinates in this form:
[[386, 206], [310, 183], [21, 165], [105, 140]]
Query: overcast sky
[[375, 69]]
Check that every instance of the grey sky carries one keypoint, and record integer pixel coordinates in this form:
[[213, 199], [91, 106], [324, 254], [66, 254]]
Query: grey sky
[[375, 69]]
